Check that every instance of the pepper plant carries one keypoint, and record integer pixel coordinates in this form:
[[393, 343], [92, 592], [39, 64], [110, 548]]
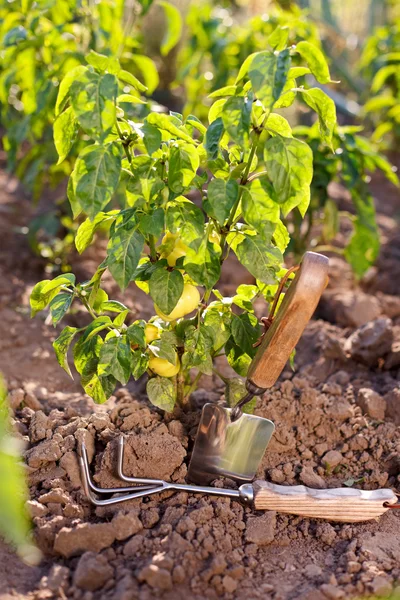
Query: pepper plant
[[192, 195], [353, 159]]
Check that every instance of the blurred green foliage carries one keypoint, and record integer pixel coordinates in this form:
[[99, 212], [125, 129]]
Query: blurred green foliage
[[14, 519]]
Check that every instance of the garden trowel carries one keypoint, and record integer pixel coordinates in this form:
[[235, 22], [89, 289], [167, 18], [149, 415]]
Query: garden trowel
[[229, 442]]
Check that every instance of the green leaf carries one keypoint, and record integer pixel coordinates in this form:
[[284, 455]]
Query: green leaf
[[315, 60], [127, 77], [120, 318], [162, 348], [198, 346], [93, 99], [148, 71], [64, 131], [152, 137], [98, 388], [214, 134], [166, 123], [279, 38], [65, 86], [202, 262], [162, 393], [153, 223], [289, 163], [268, 74], [128, 98], [101, 62], [259, 210], [276, 124], [363, 247], [166, 288], [61, 346], [260, 258], [174, 27], [238, 360], [116, 359], [325, 109], [123, 253], [221, 198], [86, 353], [95, 327], [281, 236], [95, 177], [140, 362], [44, 291], [135, 334], [59, 306], [235, 390], [87, 229], [112, 306], [183, 164], [185, 218], [236, 118], [245, 332], [219, 322]]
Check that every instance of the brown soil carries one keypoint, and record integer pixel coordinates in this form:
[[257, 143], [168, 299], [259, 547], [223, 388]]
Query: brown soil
[[337, 420]]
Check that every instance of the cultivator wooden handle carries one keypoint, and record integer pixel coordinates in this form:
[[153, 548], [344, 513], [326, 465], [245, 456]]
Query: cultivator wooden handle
[[340, 504], [296, 310]]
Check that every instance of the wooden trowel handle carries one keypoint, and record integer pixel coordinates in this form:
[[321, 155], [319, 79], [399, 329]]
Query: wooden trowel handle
[[347, 505], [296, 310]]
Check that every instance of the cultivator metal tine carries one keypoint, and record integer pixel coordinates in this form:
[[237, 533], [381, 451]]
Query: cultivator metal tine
[[137, 480], [89, 486]]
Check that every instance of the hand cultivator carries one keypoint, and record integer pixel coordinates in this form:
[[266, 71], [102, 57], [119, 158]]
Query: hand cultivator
[[231, 443]]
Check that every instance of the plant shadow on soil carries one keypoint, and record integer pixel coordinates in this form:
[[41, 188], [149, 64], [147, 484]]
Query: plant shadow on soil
[[337, 420]]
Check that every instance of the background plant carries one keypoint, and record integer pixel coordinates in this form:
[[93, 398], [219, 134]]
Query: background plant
[[249, 172], [380, 63], [14, 520], [350, 163]]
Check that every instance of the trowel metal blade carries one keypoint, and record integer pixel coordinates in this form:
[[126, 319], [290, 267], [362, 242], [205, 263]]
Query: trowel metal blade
[[228, 448]]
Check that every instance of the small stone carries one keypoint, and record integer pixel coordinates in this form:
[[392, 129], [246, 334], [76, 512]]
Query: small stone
[[31, 401], [277, 475], [393, 405], [381, 586], [261, 530], [38, 426], [56, 496], [331, 591], [15, 398], [56, 580], [163, 560], [73, 511], [132, 547], [85, 536], [150, 517], [178, 574], [43, 453], [312, 571], [69, 462], [229, 584], [371, 403], [156, 577], [126, 525], [332, 459], [92, 572], [320, 449], [371, 342], [353, 566], [36, 509], [341, 411], [326, 533], [310, 478]]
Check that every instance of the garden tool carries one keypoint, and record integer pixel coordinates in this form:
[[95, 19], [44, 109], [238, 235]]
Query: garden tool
[[346, 505], [229, 442]]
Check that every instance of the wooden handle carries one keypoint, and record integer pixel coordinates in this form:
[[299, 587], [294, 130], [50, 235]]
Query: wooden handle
[[340, 504], [296, 310]]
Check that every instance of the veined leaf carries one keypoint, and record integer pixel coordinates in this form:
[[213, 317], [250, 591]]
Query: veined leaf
[[202, 262], [289, 164], [183, 164], [245, 332], [59, 306], [325, 109], [198, 345], [165, 123], [162, 393], [93, 101], [268, 74], [186, 218], [65, 86], [95, 177], [116, 359], [174, 27], [315, 60], [87, 229], [214, 134], [123, 252], [65, 130], [236, 118], [221, 198], [260, 258], [61, 346], [166, 288], [259, 209]]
